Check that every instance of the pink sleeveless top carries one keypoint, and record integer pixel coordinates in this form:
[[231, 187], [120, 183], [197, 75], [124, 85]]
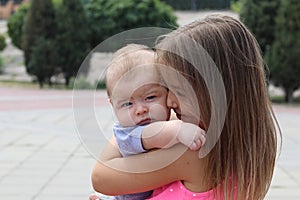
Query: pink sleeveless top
[[177, 190]]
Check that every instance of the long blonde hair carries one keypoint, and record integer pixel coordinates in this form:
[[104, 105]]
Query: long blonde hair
[[244, 156]]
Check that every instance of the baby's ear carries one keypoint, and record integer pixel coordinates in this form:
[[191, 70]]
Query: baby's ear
[[109, 101]]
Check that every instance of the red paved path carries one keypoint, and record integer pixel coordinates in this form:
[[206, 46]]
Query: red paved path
[[30, 99]]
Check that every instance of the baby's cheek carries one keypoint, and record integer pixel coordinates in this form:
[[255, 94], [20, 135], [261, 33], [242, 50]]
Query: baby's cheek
[[125, 118], [159, 112]]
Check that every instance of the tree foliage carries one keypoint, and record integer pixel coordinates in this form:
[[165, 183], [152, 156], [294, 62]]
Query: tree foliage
[[283, 58], [39, 33], [65, 30], [109, 17], [198, 4], [259, 16], [72, 37], [40, 63], [15, 25]]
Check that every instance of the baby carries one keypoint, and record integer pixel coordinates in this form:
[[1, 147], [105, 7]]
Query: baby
[[139, 100]]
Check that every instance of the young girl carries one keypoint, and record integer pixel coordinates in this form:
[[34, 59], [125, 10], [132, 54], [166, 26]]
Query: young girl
[[240, 161]]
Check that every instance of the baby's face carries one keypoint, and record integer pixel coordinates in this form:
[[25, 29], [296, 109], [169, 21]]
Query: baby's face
[[139, 99]]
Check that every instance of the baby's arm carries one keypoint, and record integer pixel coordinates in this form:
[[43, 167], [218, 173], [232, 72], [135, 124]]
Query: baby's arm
[[165, 134]]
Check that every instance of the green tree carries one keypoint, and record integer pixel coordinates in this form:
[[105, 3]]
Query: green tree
[[259, 16], [40, 63], [283, 58], [15, 25], [109, 17], [72, 37], [39, 27]]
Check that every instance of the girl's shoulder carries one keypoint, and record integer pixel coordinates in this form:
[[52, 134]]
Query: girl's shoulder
[[177, 190]]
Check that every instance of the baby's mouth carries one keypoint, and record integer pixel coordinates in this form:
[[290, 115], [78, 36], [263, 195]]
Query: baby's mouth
[[144, 122]]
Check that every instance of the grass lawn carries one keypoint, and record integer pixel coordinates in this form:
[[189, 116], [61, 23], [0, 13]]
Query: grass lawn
[[31, 85]]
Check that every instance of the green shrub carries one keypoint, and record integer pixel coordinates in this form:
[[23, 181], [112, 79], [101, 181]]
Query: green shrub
[[15, 25], [81, 83], [277, 99], [2, 42], [2, 46], [1, 65], [236, 6], [101, 84]]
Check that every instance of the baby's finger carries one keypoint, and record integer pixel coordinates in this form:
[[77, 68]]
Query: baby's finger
[[194, 146], [93, 197], [202, 139]]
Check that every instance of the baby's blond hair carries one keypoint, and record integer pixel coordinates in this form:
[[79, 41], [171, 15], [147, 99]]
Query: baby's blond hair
[[124, 60]]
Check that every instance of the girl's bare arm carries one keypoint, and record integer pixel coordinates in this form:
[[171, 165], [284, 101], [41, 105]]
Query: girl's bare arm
[[145, 171]]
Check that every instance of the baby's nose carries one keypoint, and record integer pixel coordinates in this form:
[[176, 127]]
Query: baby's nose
[[141, 109]]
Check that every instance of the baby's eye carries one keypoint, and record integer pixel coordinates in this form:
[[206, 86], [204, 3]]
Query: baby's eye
[[150, 97], [126, 104]]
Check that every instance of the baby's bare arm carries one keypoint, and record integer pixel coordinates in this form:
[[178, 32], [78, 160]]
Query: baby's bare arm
[[165, 134]]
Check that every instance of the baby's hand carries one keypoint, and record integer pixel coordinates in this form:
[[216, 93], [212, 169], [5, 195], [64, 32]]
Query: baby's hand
[[93, 197], [191, 135], [98, 196]]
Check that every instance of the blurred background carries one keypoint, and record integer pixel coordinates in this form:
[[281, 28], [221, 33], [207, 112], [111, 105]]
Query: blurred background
[[42, 46], [44, 42]]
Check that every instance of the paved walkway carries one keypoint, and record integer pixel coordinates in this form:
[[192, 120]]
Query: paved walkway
[[41, 156]]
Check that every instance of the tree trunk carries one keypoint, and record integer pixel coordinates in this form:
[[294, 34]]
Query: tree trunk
[[41, 84], [50, 83], [194, 5], [67, 81], [288, 95]]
